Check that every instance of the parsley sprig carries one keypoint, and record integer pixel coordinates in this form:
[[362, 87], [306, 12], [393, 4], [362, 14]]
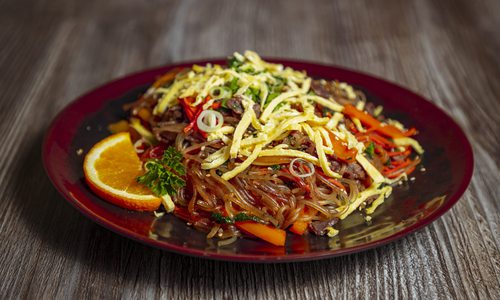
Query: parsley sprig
[[163, 175]]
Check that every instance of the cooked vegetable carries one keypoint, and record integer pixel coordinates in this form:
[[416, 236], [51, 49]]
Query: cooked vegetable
[[209, 120], [269, 234], [370, 150], [388, 130], [305, 168], [299, 227]]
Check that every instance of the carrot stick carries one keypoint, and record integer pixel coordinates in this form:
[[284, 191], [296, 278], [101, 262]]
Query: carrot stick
[[299, 227], [341, 150], [267, 233], [410, 132], [407, 167], [398, 167], [409, 170], [387, 130], [381, 140]]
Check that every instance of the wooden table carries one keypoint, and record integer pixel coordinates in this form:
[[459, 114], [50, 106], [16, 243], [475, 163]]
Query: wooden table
[[52, 51]]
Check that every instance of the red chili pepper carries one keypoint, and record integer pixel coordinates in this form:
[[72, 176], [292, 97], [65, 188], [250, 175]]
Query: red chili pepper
[[216, 105], [193, 112], [299, 181], [186, 106]]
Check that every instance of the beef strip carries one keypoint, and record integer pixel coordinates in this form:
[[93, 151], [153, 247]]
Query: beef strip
[[235, 105], [319, 227], [321, 89], [174, 114], [348, 170], [354, 171], [163, 136], [256, 109], [327, 89]]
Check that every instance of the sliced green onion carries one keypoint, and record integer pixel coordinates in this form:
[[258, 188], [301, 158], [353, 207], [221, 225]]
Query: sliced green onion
[[220, 92]]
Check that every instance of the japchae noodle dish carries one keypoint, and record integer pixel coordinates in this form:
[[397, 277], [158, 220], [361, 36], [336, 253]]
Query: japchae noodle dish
[[254, 148]]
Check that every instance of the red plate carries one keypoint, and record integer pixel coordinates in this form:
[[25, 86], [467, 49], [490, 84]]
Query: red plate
[[448, 162]]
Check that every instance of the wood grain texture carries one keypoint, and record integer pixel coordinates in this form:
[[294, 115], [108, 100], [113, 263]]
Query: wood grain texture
[[52, 51]]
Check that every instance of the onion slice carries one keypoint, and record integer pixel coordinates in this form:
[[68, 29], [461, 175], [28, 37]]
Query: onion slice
[[308, 164], [140, 142], [209, 120]]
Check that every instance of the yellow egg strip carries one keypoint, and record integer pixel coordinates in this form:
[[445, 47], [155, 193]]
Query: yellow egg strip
[[369, 168], [168, 97], [308, 130], [290, 153], [216, 159], [271, 106], [325, 102], [322, 157], [405, 141], [386, 192], [238, 169], [334, 121], [245, 121], [325, 135], [371, 191]]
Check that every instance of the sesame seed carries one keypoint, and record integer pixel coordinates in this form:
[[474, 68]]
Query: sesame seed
[[79, 152]]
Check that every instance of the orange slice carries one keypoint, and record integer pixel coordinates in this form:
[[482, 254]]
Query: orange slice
[[111, 168]]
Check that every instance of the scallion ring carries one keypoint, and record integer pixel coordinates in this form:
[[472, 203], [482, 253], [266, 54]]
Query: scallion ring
[[139, 145], [304, 166], [220, 92], [209, 120]]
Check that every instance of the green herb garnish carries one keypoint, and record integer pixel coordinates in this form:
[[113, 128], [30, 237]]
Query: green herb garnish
[[219, 218], [271, 97], [274, 90], [370, 150], [253, 93], [244, 217], [163, 175], [234, 63], [233, 85], [275, 167]]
